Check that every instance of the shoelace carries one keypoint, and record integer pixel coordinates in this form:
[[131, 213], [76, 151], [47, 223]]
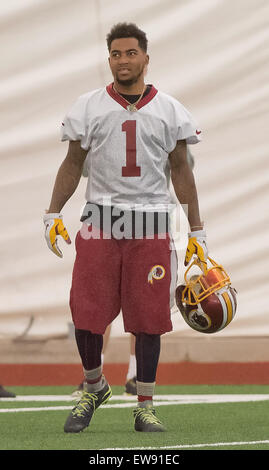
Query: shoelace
[[147, 415], [87, 399]]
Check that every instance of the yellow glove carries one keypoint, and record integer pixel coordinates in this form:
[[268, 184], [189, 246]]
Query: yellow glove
[[197, 246], [55, 227]]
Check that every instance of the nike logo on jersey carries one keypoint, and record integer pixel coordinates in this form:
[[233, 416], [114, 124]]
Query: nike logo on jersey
[[198, 132]]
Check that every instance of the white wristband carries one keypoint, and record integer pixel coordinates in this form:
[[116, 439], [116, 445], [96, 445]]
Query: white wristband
[[50, 216], [197, 233]]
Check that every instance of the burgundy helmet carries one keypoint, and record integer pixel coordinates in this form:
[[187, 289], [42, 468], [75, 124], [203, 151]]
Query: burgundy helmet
[[207, 301]]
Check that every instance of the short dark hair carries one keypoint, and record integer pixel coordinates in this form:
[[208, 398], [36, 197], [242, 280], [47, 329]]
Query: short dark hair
[[127, 30]]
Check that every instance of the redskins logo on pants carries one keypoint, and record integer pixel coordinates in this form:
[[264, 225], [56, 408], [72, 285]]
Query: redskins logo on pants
[[157, 272]]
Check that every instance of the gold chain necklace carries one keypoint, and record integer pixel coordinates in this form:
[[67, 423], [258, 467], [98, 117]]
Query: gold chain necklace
[[131, 106]]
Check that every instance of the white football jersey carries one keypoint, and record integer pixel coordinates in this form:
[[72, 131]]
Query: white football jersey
[[127, 161]]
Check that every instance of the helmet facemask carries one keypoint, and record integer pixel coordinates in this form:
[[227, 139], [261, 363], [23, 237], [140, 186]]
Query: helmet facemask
[[207, 301]]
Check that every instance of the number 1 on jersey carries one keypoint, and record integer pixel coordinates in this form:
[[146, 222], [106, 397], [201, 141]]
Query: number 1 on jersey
[[131, 168]]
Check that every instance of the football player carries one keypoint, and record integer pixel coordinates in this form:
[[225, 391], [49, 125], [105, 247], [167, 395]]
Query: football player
[[132, 137], [4, 393]]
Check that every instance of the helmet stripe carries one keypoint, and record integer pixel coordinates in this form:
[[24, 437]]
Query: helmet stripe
[[229, 304], [233, 299], [224, 310]]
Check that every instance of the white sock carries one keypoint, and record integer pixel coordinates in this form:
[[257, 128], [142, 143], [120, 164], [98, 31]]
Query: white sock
[[132, 367], [145, 389], [94, 380]]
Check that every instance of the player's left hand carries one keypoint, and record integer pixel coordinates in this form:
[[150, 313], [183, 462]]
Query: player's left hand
[[197, 246], [55, 227]]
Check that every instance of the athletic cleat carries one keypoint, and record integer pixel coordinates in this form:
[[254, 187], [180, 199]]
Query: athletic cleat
[[6, 393], [130, 387], [82, 413], [146, 421]]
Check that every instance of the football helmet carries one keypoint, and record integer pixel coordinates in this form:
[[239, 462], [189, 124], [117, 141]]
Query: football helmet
[[207, 301]]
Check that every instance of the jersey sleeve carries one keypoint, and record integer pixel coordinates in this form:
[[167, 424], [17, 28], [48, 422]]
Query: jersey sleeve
[[186, 126], [74, 124]]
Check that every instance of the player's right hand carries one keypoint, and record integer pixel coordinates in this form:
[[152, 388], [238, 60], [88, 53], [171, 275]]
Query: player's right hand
[[54, 227]]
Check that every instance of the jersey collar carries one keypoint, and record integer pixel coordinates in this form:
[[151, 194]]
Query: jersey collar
[[145, 100]]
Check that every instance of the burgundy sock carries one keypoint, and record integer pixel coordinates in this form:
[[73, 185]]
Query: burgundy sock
[[144, 398]]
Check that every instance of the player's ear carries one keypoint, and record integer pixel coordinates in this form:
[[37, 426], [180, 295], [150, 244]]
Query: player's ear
[[146, 65]]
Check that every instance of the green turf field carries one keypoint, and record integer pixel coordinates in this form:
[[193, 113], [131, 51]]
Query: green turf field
[[193, 416]]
